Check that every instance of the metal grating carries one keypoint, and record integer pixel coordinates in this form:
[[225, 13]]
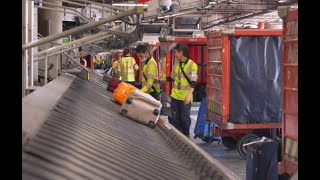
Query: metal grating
[[85, 137]]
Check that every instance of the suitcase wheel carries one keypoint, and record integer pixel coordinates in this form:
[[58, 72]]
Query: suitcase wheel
[[243, 140], [124, 112], [156, 112], [151, 124], [129, 101]]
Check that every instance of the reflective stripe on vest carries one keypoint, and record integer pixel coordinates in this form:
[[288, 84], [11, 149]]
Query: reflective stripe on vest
[[178, 76], [126, 66], [149, 76]]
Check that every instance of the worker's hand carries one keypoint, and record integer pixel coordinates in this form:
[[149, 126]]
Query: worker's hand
[[187, 100]]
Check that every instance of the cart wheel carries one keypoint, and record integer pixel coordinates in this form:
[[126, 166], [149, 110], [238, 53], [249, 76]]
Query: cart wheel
[[151, 124], [243, 140], [124, 112], [229, 142]]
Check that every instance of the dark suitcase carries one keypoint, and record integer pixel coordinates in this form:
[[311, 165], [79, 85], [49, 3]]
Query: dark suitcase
[[204, 129], [262, 161], [113, 84]]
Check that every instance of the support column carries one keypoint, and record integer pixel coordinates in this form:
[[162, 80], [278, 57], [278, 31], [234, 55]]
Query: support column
[[30, 39], [50, 22], [25, 52]]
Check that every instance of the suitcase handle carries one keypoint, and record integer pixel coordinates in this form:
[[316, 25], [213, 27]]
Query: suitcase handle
[[152, 101]]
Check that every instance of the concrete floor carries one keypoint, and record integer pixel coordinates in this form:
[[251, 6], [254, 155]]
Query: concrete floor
[[229, 158]]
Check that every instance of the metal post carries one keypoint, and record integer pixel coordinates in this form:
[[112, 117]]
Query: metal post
[[46, 69], [24, 52], [77, 29], [30, 38]]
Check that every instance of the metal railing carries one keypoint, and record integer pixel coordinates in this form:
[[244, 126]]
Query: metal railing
[[28, 44]]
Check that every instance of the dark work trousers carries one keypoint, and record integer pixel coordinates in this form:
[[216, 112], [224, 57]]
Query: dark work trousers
[[181, 116], [155, 95]]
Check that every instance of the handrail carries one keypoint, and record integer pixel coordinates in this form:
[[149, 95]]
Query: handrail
[[77, 29], [89, 42], [75, 61]]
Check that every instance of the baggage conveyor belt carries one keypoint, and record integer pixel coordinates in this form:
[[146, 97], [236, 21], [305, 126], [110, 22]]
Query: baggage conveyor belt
[[85, 137]]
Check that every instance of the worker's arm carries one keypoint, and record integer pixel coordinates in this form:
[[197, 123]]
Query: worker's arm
[[170, 79], [193, 82], [119, 65], [135, 65], [151, 77], [115, 66]]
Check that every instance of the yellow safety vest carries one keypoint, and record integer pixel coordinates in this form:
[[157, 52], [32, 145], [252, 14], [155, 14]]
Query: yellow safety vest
[[150, 70], [126, 67], [100, 61], [181, 86]]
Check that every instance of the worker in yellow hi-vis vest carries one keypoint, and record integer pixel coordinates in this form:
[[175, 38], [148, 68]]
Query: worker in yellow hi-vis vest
[[184, 77], [149, 73], [127, 67], [115, 67]]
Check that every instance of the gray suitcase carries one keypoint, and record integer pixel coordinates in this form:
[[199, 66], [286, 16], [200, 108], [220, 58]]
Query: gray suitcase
[[142, 107]]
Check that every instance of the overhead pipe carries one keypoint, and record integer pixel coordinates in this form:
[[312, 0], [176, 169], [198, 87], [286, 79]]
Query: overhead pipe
[[77, 29], [76, 13], [52, 9], [104, 5], [254, 14], [74, 47], [81, 40], [74, 10], [83, 5]]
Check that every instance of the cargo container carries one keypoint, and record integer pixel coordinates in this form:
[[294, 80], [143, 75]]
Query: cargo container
[[289, 163], [244, 83]]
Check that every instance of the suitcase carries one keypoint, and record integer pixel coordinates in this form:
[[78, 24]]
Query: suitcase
[[262, 161], [121, 93], [142, 107], [204, 129], [107, 76], [113, 84]]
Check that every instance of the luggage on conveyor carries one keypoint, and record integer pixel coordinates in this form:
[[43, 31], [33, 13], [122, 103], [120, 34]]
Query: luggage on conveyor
[[142, 107], [204, 129], [113, 84], [107, 75], [121, 93], [262, 160]]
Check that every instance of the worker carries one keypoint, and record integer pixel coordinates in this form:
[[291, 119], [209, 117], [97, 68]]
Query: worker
[[184, 75], [101, 62], [149, 73], [115, 66], [127, 67], [96, 62]]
